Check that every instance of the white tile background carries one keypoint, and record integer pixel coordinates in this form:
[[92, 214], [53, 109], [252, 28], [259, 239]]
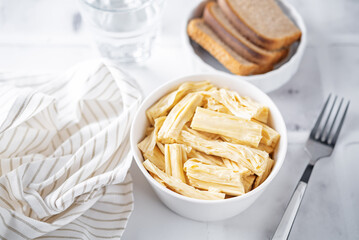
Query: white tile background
[[40, 36]]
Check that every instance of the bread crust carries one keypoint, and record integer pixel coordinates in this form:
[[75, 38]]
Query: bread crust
[[260, 40], [219, 52]]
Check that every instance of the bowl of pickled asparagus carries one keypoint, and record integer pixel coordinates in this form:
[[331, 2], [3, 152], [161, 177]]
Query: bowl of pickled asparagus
[[208, 144]]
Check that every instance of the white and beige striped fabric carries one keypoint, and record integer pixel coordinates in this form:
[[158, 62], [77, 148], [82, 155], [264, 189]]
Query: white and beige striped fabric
[[64, 154]]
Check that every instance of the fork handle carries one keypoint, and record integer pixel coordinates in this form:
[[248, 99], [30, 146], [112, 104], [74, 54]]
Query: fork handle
[[290, 213]]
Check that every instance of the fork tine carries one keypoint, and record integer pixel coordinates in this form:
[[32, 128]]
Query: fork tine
[[335, 118], [335, 138], [316, 126], [326, 121]]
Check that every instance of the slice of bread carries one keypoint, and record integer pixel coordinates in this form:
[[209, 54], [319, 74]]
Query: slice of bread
[[204, 36], [215, 18], [262, 22]]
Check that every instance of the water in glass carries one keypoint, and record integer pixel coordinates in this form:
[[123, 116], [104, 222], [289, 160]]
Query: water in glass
[[123, 30]]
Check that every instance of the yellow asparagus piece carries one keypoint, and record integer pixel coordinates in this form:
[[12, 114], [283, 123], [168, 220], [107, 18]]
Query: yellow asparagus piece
[[175, 156], [149, 130], [148, 144], [251, 158], [223, 179], [180, 187], [165, 104], [243, 131], [247, 176], [159, 180], [213, 105], [270, 137], [205, 158], [230, 190], [158, 124], [269, 141], [161, 147], [178, 117], [260, 179], [242, 107], [156, 158], [266, 148], [248, 182]]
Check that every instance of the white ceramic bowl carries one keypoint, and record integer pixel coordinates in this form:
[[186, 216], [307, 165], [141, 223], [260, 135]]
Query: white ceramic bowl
[[208, 210], [283, 71]]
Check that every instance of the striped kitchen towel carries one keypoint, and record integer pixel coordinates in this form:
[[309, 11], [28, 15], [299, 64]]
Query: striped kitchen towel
[[64, 153]]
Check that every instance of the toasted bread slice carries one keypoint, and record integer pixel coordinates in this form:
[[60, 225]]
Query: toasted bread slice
[[216, 19], [262, 22], [204, 36]]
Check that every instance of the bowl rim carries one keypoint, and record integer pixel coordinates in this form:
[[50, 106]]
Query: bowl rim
[[295, 57], [196, 77]]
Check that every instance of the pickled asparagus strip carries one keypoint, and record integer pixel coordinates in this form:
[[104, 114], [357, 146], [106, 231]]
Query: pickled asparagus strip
[[159, 180], [235, 166], [175, 156], [245, 172], [243, 131], [260, 179], [161, 147], [216, 187], [165, 104], [266, 148], [168, 165], [205, 158], [206, 135], [221, 174], [156, 158], [158, 124], [251, 158], [247, 176], [261, 146], [178, 117], [213, 105], [242, 107], [181, 187], [148, 144], [270, 137], [228, 163], [248, 182], [149, 130], [224, 179]]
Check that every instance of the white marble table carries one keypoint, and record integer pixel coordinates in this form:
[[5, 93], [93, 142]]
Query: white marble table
[[48, 36]]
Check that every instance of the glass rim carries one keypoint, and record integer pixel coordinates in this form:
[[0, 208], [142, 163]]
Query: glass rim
[[120, 10]]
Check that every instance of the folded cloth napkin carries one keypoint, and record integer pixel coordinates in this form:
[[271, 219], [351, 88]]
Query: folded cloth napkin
[[64, 154]]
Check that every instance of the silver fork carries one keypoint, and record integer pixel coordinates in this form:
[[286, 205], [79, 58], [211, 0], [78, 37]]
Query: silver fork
[[320, 144]]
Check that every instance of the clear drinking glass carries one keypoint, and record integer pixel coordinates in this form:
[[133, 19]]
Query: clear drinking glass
[[123, 30]]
